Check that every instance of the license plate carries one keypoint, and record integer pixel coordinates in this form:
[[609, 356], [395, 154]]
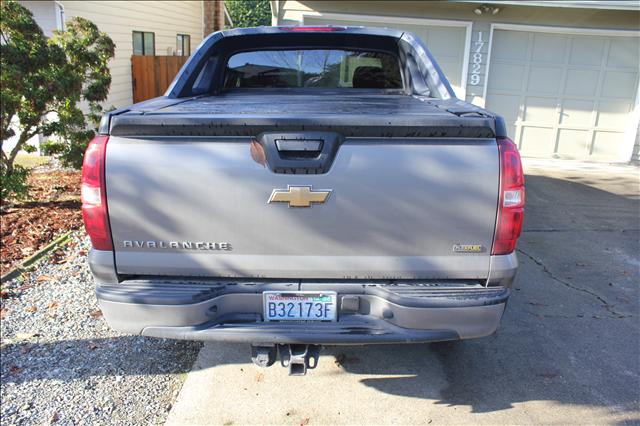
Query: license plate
[[300, 306]]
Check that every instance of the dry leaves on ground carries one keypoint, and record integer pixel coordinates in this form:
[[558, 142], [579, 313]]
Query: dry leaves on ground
[[53, 210]]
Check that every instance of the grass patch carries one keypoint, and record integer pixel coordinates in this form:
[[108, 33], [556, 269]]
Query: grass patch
[[29, 161]]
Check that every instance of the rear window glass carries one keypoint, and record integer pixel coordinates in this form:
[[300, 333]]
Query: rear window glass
[[313, 68]]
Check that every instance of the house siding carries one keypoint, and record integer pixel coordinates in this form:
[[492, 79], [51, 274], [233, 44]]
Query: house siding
[[44, 13], [119, 19]]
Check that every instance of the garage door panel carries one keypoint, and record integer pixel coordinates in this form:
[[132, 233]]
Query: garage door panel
[[450, 68], [581, 82], [539, 110], [619, 84], [573, 144], [606, 145], [623, 52], [510, 104], [449, 40], [537, 141], [510, 48], [544, 79], [548, 48], [576, 112], [579, 94], [506, 77], [586, 51], [312, 20], [613, 114]]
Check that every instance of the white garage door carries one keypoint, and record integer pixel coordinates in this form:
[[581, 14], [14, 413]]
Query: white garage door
[[565, 95], [446, 43]]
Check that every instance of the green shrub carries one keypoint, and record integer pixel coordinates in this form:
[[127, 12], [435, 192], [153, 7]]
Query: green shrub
[[43, 82], [51, 147], [249, 13], [13, 186], [71, 150]]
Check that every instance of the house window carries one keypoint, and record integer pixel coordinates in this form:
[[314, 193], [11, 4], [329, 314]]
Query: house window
[[183, 45], [144, 43]]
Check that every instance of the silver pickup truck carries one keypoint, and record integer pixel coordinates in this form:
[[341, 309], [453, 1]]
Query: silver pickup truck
[[304, 186]]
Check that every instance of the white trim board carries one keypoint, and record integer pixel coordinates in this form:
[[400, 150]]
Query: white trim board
[[632, 129], [577, 4], [565, 30], [467, 25], [387, 18]]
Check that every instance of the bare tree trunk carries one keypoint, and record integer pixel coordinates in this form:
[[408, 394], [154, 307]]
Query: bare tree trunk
[[4, 158], [22, 140]]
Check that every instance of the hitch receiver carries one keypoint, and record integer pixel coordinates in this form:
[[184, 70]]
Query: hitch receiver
[[299, 358]]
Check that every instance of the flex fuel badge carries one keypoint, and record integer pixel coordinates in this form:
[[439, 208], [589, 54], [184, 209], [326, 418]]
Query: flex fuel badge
[[468, 248]]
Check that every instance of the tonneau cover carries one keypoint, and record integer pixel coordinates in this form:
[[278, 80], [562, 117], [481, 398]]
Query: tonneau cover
[[352, 115]]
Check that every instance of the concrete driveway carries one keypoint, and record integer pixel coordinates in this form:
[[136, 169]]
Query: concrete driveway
[[567, 350]]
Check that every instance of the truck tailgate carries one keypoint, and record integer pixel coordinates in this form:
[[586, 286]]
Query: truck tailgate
[[398, 208]]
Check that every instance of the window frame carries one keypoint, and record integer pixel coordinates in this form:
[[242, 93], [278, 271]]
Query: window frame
[[143, 33], [183, 37]]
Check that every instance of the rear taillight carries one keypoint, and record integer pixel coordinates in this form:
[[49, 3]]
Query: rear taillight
[[93, 194], [511, 204]]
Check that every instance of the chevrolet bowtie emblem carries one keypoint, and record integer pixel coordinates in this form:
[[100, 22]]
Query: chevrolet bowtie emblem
[[299, 196]]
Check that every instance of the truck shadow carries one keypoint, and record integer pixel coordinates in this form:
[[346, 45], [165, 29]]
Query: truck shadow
[[570, 333]]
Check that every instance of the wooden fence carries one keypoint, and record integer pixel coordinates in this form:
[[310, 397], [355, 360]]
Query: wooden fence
[[152, 75]]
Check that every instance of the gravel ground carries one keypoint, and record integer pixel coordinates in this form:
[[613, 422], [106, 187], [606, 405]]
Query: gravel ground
[[62, 364]]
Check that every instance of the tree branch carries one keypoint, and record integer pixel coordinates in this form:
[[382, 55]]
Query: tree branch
[[24, 137]]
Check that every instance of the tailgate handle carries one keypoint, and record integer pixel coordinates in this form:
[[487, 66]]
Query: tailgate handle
[[292, 145], [307, 152]]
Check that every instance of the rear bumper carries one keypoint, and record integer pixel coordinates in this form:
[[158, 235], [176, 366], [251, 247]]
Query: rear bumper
[[368, 313]]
